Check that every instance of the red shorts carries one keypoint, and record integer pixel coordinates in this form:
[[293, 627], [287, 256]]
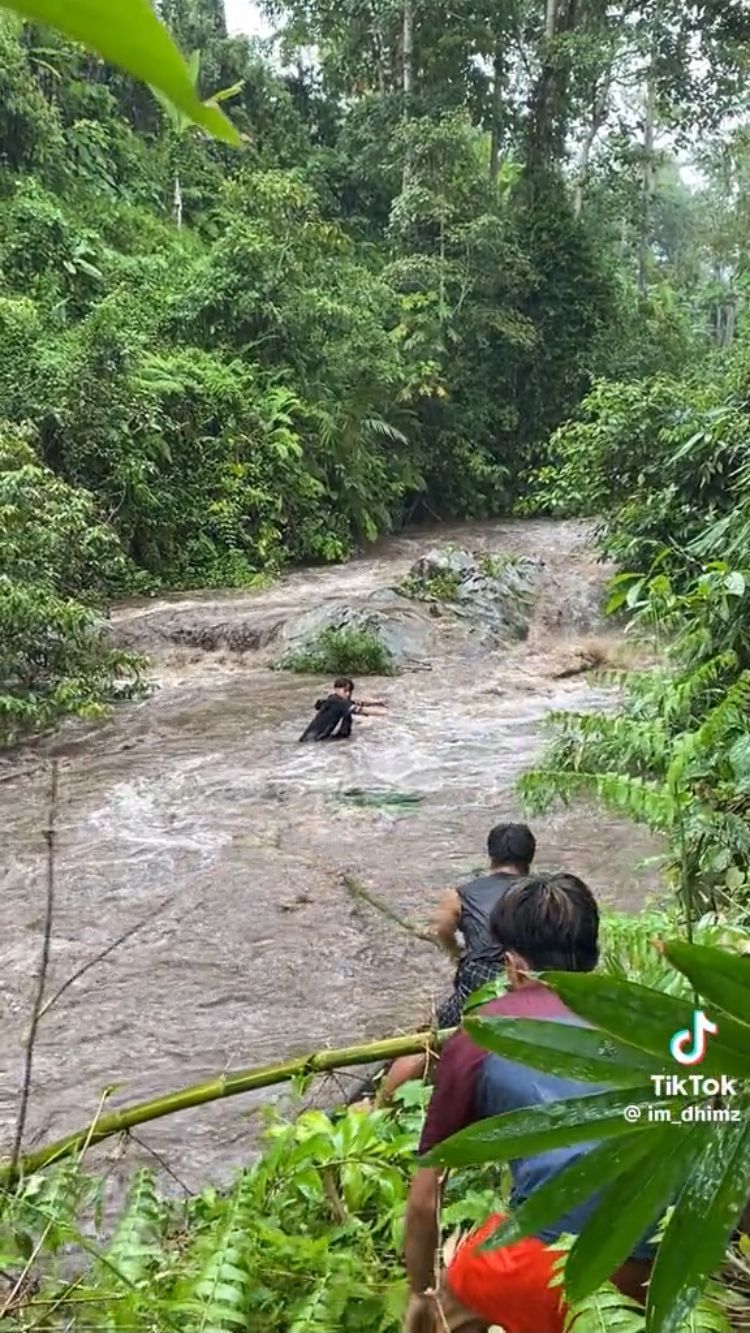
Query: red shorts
[[509, 1287]]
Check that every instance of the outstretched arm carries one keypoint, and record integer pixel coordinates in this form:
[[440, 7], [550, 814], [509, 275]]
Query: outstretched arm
[[446, 923]]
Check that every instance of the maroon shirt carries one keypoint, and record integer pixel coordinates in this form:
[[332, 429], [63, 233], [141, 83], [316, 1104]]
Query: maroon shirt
[[453, 1104]]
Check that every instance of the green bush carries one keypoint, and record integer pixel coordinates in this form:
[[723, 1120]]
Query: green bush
[[655, 460], [55, 662], [55, 659], [351, 650], [443, 586]]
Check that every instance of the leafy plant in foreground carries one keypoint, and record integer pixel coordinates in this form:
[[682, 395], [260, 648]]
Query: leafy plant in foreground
[[316, 1222], [308, 1239], [667, 1143], [132, 36]]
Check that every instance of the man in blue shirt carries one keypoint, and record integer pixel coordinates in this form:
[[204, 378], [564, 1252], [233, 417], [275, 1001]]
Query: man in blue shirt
[[539, 924]]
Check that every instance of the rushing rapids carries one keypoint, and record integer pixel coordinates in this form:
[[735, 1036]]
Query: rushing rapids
[[199, 799]]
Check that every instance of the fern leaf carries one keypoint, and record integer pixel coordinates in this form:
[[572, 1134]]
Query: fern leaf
[[136, 1247], [605, 1311], [648, 802], [216, 1296], [49, 1203]]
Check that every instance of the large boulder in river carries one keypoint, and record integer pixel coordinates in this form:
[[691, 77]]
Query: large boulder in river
[[405, 632], [494, 593], [493, 596]]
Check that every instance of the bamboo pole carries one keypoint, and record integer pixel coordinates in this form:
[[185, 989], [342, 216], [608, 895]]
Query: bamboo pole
[[360, 893], [226, 1085]]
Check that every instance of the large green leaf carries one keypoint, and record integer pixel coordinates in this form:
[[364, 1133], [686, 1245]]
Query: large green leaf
[[576, 1183], [695, 1240], [564, 1049], [647, 1019], [128, 33], [719, 976], [536, 1129], [632, 1204]]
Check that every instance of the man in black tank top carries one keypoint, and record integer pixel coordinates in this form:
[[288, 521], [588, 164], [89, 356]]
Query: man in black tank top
[[467, 909], [511, 849]]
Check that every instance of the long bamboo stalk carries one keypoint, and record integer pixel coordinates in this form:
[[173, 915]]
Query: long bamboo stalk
[[226, 1085]]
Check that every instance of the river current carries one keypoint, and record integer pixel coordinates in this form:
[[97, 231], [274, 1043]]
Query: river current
[[200, 799]]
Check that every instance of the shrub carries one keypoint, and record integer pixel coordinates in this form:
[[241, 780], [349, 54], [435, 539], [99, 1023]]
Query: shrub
[[348, 650], [55, 660], [442, 586]]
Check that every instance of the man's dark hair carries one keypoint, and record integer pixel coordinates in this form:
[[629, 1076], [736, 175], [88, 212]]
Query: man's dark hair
[[344, 683], [511, 845], [551, 921]]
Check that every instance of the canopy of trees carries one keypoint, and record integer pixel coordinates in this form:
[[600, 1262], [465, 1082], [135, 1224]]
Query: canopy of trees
[[442, 224]]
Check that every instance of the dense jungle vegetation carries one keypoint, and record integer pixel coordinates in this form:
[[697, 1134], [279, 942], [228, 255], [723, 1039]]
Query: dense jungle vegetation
[[457, 268], [442, 226]]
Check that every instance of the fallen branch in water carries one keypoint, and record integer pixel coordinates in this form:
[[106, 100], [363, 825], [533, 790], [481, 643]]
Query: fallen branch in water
[[100, 957], [226, 1085], [361, 894], [36, 1010]]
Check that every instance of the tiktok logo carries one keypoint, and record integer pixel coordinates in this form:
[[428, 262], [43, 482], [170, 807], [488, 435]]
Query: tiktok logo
[[688, 1046]]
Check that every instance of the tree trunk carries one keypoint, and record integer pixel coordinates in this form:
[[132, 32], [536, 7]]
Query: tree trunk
[[498, 69], [408, 76], [177, 200], [623, 239], [442, 264], [548, 106], [598, 117], [225, 1085], [726, 318], [644, 245]]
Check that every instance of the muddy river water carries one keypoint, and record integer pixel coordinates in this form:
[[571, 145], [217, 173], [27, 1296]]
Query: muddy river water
[[200, 798]]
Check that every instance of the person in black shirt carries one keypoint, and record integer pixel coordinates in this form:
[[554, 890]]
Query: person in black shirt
[[333, 715], [511, 849], [467, 909]]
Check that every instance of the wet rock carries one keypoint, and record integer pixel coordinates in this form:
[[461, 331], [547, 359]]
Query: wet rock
[[495, 595], [206, 626], [403, 629], [492, 596]]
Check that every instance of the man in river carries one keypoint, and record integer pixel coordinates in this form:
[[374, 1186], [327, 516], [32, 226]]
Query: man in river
[[542, 923], [333, 715], [467, 910]]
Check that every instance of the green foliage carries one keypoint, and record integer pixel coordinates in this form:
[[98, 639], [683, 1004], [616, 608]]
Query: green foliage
[[55, 660], [655, 459], [664, 462], [49, 531], [606, 1310], [307, 1239], [134, 38], [438, 586], [310, 1237], [326, 344], [346, 650], [703, 1170]]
